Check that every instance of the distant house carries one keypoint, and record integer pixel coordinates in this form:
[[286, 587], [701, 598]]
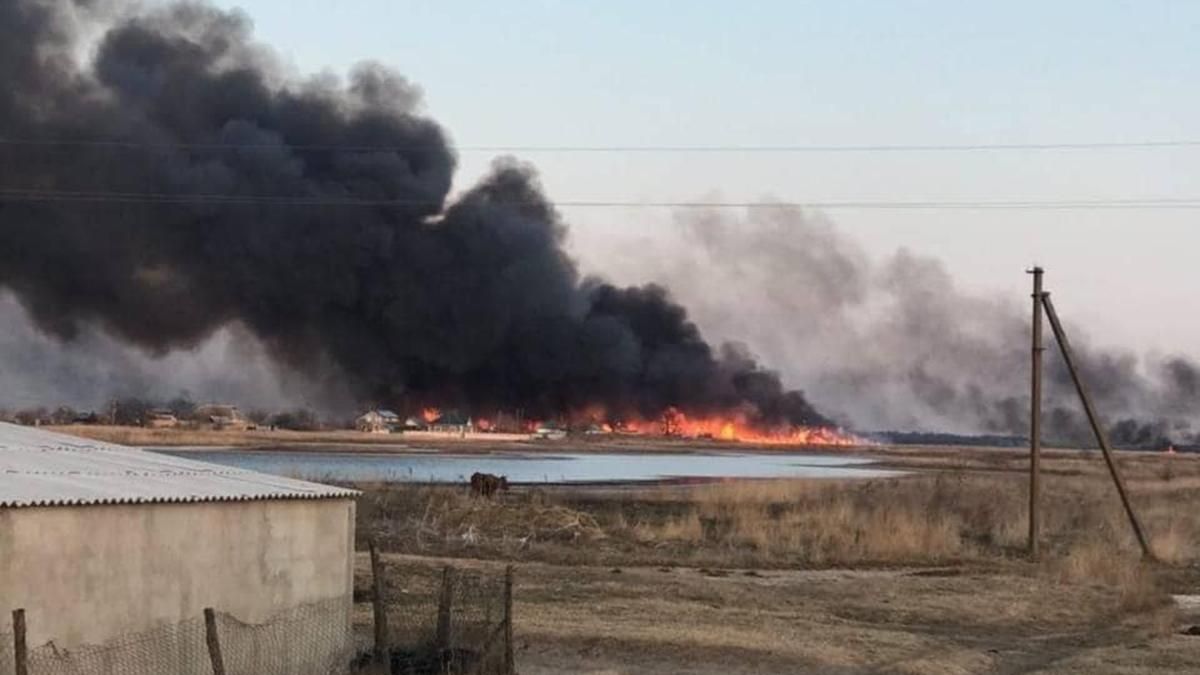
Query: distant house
[[161, 419], [452, 422], [378, 422], [549, 430], [87, 418], [414, 424], [223, 417]]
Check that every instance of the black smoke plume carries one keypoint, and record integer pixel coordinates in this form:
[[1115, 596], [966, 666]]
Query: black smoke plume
[[177, 180]]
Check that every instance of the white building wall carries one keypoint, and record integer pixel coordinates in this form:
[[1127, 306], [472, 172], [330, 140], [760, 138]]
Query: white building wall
[[91, 574]]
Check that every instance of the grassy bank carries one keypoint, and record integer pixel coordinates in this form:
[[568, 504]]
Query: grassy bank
[[922, 575], [953, 517]]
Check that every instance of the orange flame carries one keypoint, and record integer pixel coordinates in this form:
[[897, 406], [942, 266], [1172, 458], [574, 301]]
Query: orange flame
[[736, 427], [728, 432], [431, 414]]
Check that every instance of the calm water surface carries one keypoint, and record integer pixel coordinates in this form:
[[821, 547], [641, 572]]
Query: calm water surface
[[564, 467]]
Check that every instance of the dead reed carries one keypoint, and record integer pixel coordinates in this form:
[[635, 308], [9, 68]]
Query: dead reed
[[930, 519]]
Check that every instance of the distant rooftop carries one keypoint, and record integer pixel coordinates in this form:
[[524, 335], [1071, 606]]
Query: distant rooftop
[[42, 468]]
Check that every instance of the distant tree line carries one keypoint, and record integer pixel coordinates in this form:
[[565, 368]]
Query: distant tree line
[[1125, 434], [137, 411], [938, 438]]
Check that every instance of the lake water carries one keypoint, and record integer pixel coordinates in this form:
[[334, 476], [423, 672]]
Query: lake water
[[536, 467]]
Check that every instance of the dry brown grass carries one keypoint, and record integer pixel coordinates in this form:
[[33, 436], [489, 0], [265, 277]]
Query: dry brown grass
[[440, 520], [824, 523], [929, 573], [917, 520]]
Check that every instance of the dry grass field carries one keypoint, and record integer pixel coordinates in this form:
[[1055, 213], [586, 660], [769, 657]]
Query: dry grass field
[[954, 514], [638, 620], [919, 574]]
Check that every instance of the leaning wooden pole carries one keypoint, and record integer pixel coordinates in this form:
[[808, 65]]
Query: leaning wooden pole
[[1101, 437], [1035, 420]]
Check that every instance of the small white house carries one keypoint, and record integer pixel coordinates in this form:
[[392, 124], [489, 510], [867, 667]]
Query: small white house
[[103, 545], [378, 422]]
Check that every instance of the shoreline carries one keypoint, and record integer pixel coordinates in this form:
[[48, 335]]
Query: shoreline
[[925, 458]]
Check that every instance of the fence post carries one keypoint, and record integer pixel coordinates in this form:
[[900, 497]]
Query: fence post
[[509, 662], [381, 626], [20, 649], [214, 643], [442, 641]]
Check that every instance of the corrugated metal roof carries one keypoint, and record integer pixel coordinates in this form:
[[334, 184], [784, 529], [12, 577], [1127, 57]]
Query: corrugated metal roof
[[42, 468]]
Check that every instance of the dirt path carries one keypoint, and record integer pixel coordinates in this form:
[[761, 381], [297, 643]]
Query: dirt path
[[610, 621]]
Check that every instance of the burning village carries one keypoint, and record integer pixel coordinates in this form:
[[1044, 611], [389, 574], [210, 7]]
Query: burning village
[[418, 364]]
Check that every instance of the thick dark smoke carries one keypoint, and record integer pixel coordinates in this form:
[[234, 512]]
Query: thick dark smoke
[[93, 369], [894, 344], [214, 200]]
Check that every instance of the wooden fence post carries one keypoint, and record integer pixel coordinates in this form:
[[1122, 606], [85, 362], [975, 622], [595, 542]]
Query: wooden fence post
[[509, 661], [445, 600], [20, 649], [214, 642], [381, 623]]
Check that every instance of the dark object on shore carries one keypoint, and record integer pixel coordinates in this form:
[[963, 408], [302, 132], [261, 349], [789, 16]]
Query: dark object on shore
[[486, 484], [1190, 630]]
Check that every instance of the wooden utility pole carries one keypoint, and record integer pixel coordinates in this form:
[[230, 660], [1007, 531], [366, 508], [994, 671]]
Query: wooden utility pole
[[20, 649], [1101, 437], [1035, 421], [379, 603], [214, 642]]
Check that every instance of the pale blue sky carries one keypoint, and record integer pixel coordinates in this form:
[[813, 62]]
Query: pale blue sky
[[849, 72]]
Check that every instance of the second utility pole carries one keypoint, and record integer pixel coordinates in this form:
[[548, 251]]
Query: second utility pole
[[1035, 420]]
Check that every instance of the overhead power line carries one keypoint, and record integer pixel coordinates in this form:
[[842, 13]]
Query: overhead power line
[[748, 149], [67, 196]]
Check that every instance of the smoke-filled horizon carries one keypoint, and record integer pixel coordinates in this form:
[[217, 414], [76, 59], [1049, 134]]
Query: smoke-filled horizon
[[467, 302], [470, 302], [894, 343]]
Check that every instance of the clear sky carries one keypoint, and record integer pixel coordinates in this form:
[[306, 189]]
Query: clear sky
[[830, 73]]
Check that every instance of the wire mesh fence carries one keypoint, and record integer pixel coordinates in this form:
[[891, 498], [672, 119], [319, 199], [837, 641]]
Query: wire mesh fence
[[447, 621], [174, 648], [7, 664], [435, 622], [312, 639]]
